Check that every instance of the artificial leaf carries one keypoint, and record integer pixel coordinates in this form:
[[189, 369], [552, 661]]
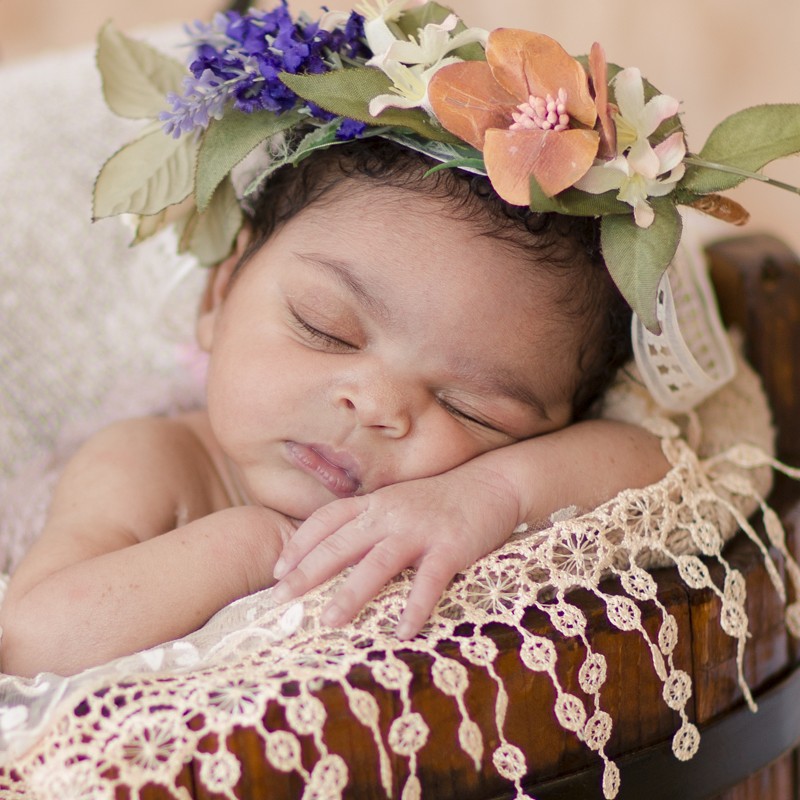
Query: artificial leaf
[[745, 141], [146, 175], [636, 257], [210, 235], [430, 13], [172, 215], [467, 164], [438, 151], [575, 203], [317, 138], [347, 93], [228, 141], [136, 77]]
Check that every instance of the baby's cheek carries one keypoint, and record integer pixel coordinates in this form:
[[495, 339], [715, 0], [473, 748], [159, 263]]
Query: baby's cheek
[[443, 447]]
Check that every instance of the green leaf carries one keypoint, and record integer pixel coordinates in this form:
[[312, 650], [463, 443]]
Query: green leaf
[[576, 203], [318, 137], [431, 13], [347, 93], [172, 215], [136, 77], [637, 257], [469, 164], [747, 140], [146, 175], [228, 141], [446, 152], [210, 235]]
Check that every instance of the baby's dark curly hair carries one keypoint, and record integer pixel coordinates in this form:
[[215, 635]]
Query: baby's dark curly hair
[[568, 248]]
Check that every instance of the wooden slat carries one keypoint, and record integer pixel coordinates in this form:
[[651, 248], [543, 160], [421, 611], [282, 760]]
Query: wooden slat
[[757, 281]]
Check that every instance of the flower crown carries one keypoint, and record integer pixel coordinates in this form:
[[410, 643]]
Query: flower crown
[[575, 136]]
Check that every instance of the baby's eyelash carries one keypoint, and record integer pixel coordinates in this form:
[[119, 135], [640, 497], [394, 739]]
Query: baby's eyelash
[[457, 412], [316, 333]]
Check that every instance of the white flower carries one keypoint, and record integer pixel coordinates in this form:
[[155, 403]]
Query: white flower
[[377, 13], [410, 88], [639, 170], [637, 120], [638, 180], [388, 10], [331, 20], [411, 63], [433, 43]]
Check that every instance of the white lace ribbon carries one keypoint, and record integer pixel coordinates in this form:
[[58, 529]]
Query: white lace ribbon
[[691, 358]]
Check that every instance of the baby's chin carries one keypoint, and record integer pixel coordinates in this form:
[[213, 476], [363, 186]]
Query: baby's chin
[[302, 507]]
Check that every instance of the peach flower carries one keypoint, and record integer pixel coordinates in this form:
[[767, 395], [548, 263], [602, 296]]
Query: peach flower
[[528, 108]]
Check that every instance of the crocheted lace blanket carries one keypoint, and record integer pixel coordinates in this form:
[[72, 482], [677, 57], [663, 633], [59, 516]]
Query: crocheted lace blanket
[[253, 654]]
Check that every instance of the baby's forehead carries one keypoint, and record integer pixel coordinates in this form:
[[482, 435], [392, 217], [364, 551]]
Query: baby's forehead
[[430, 277], [446, 213]]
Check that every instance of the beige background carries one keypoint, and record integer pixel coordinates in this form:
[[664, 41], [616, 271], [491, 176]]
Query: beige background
[[717, 56]]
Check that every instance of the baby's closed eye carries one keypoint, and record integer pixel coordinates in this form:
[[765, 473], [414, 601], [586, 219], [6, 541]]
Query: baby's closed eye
[[321, 333]]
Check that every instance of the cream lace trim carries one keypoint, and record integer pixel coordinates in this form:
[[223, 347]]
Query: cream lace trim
[[158, 706]]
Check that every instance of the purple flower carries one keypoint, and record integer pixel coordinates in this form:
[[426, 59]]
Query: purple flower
[[204, 97], [238, 59], [350, 129]]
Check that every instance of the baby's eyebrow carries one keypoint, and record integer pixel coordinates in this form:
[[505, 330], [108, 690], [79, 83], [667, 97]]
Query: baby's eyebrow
[[505, 383], [344, 275]]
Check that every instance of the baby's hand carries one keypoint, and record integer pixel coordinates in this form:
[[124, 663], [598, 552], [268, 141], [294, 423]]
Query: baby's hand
[[440, 525]]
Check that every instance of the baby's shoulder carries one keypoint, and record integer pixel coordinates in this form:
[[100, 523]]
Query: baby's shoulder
[[152, 455], [161, 463], [169, 438]]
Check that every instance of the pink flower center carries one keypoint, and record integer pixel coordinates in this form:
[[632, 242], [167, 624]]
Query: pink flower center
[[542, 113]]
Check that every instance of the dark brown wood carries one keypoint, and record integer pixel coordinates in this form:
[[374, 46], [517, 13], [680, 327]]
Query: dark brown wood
[[757, 280]]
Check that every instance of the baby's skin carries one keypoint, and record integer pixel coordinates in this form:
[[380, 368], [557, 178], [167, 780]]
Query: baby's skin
[[388, 387]]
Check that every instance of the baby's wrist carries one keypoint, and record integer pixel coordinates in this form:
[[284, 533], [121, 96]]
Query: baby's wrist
[[497, 474], [257, 535]]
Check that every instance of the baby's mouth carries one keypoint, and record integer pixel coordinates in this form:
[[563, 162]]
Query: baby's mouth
[[334, 470]]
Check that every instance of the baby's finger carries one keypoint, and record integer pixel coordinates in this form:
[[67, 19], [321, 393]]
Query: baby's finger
[[338, 550], [369, 576], [432, 578], [314, 530]]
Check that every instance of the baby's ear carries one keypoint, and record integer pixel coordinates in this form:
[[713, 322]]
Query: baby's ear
[[216, 290]]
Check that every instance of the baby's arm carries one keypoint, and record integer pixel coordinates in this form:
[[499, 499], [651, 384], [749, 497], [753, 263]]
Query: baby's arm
[[115, 570], [447, 522]]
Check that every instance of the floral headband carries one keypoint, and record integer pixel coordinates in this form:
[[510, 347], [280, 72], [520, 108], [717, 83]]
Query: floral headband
[[575, 136]]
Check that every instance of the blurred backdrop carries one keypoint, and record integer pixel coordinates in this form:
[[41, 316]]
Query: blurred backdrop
[[717, 56]]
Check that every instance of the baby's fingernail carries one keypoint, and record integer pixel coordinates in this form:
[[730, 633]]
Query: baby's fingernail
[[333, 616], [281, 593], [280, 569], [404, 631]]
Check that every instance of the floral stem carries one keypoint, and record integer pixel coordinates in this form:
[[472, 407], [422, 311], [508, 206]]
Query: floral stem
[[696, 161]]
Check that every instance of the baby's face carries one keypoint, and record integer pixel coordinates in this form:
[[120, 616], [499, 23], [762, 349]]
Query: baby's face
[[374, 340]]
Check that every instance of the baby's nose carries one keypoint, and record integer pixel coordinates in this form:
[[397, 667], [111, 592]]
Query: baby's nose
[[379, 403]]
